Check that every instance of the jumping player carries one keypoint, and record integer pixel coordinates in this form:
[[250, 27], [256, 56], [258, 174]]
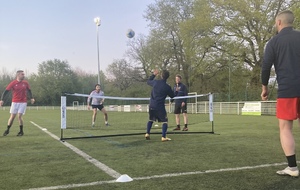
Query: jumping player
[[157, 110]]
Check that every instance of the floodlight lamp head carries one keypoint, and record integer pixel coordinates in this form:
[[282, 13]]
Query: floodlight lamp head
[[97, 21]]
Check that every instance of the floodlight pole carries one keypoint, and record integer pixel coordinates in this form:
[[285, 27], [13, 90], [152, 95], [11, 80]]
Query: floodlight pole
[[97, 21]]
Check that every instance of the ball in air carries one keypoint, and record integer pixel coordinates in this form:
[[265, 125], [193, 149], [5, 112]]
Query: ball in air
[[130, 33]]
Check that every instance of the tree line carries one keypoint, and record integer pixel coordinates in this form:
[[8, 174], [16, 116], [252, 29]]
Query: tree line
[[217, 46]]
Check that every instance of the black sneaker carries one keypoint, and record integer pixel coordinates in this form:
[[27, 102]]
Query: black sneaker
[[21, 133], [6, 132]]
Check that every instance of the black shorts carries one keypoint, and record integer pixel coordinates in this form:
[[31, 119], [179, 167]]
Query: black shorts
[[158, 115], [179, 109], [100, 107]]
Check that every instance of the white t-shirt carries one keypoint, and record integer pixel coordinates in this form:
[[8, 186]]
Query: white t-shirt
[[96, 101]]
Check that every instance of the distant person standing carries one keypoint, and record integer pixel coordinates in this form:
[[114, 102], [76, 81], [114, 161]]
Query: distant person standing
[[157, 110], [97, 104], [283, 51], [20, 89], [180, 104]]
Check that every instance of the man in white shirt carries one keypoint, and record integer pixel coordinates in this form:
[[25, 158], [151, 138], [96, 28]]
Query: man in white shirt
[[97, 103]]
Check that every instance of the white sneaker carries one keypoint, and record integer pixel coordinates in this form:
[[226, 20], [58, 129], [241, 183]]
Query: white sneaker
[[93, 124], [164, 139], [292, 171], [147, 136]]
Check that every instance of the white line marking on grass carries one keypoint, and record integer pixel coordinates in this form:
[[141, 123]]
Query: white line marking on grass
[[74, 185], [163, 176], [90, 159], [210, 171]]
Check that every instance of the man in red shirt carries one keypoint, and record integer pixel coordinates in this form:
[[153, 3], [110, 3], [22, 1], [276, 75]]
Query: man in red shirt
[[19, 88]]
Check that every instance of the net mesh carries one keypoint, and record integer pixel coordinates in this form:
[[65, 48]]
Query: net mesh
[[128, 116]]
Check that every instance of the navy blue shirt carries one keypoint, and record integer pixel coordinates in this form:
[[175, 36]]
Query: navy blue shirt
[[182, 91], [283, 50], [160, 90]]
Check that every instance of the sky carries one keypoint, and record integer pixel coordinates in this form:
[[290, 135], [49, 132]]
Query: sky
[[34, 31]]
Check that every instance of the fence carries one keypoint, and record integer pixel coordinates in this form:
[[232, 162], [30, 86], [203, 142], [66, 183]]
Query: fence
[[235, 108], [34, 108]]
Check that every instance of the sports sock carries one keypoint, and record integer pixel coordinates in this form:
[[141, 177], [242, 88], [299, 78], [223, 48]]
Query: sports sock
[[185, 125], [21, 128], [164, 129], [178, 126], [292, 161], [149, 126], [8, 127]]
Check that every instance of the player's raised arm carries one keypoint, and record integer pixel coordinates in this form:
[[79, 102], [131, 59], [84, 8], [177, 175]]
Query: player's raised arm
[[151, 78]]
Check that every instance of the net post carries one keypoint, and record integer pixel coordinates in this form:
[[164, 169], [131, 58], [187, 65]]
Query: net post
[[63, 115], [211, 111], [61, 134]]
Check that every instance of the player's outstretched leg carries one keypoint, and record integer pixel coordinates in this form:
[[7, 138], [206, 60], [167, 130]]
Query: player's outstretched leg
[[149, 126], [164, 133]]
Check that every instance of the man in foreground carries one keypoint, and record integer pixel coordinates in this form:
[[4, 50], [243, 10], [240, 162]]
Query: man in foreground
[[283, 50]]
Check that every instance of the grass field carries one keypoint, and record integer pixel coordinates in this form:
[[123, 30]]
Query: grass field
[[244, 153]]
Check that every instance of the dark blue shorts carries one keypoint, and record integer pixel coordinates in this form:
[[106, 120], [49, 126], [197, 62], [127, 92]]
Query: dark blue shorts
[[179, 109], [158, 115], [100, 107]]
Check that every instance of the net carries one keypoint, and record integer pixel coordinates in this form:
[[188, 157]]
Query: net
[[129, 116]]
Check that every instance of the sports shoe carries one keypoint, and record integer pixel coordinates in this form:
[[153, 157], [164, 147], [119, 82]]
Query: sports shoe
[[21, 133], [147, 136], [291, 171], [176, 129], [93, 124], [107, 124], [6, 132], [163, 139], [185, 129]]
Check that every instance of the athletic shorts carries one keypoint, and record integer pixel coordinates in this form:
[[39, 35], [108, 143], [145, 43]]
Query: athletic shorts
[[158, 115], [288, 108], [179, 109], [18, 107], [100, 107]]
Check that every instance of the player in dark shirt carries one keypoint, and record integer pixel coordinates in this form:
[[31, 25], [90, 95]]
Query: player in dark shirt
[[180, 104], [283, 51], [157, 110]]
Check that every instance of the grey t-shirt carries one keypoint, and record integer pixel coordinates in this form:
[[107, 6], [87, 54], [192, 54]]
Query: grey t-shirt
[[95, 100]]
